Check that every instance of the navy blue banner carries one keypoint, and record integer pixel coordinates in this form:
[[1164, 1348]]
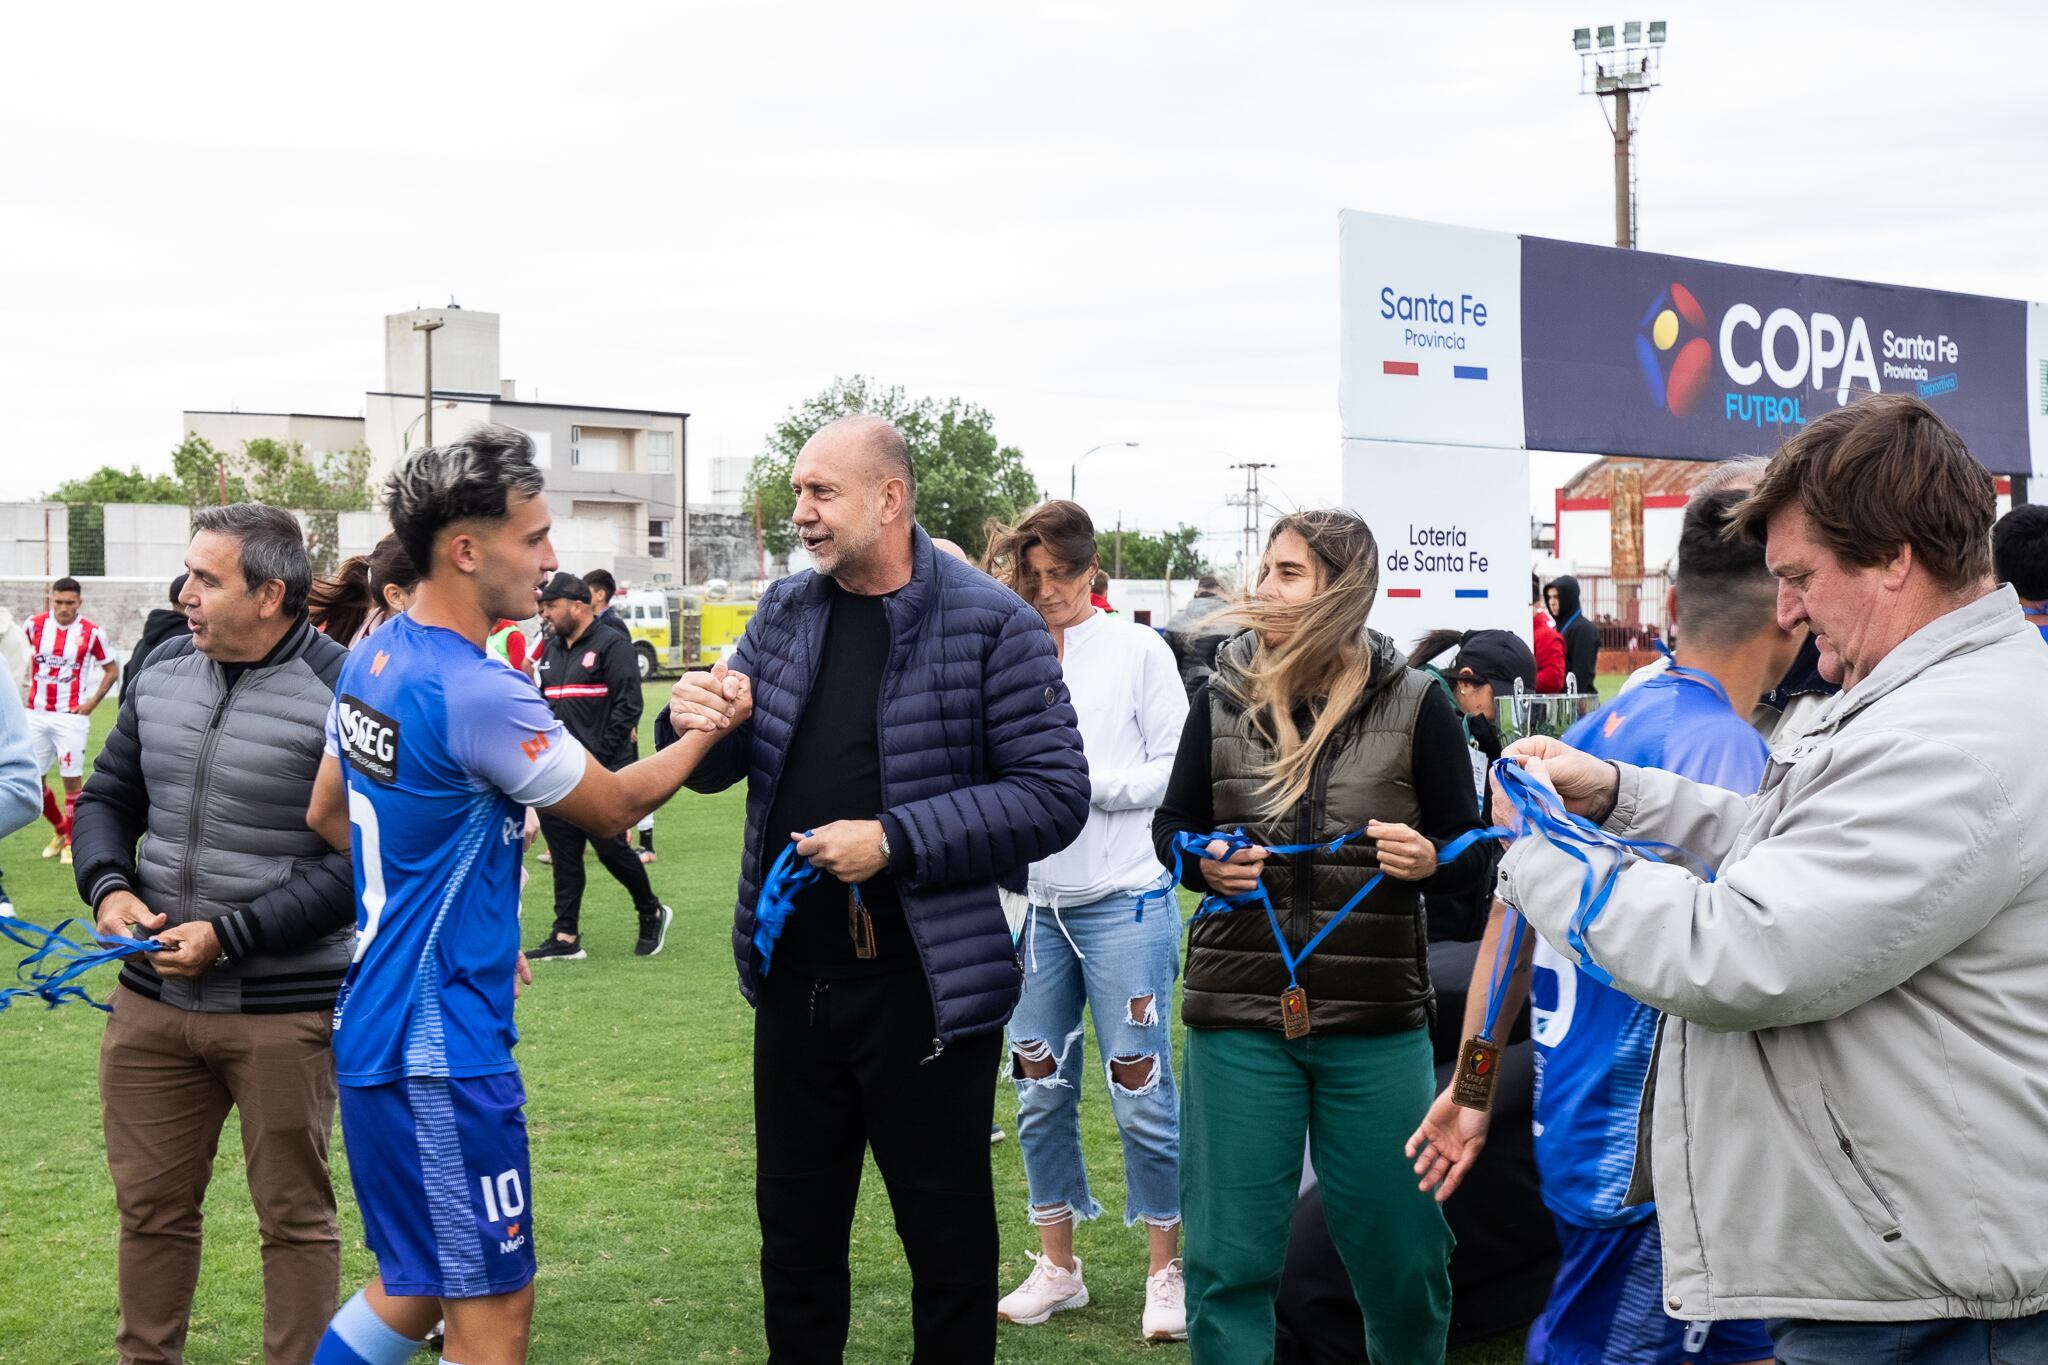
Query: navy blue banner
[[1631, 353]]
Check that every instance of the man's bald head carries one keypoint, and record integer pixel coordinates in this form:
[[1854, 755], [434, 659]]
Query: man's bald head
[[876, 443], [855, 503]]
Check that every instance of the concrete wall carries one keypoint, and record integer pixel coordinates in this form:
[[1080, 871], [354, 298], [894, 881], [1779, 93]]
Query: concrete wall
[[35, 538], [146, 540]]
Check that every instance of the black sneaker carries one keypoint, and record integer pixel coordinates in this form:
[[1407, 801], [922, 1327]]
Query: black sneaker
[[552, 949], [653, 932]]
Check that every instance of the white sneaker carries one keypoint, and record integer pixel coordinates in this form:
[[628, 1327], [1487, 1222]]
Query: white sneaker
[[1166, 1305], [6, 906], [1048, 1290]]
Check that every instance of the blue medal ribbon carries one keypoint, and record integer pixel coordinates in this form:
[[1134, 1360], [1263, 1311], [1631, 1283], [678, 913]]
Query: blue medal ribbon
[[1505, 951], [1539, 810], [788, 875], [1236, 840], [55, 961]]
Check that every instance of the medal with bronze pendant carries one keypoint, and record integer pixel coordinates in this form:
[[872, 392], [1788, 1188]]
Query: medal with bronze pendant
[[1294, 1012], [1478, 1073], [860, 924]]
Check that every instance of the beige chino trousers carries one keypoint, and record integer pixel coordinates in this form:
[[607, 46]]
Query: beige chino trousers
[[168, 1078]]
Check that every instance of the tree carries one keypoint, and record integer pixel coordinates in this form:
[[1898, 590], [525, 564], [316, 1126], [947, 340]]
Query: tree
[[1170, 552], [963, 476], [280, 473], [108, 484]]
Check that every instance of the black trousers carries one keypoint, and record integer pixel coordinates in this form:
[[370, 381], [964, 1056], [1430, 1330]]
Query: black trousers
[[565, 846], [842, 1065]]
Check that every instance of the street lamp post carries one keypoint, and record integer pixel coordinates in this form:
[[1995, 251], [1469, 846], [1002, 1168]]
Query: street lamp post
[[1072, 469], [427, 394]]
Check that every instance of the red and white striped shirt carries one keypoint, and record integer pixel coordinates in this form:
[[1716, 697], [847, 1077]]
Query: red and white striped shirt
[[57, 668]]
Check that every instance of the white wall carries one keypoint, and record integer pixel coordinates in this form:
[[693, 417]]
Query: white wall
[[35, 539], [146, 540]]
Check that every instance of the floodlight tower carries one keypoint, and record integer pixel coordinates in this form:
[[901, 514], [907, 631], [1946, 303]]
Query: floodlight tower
[[1621, 74]]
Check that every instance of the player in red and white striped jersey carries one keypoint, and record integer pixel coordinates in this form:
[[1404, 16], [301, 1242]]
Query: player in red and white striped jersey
[[65, 650]]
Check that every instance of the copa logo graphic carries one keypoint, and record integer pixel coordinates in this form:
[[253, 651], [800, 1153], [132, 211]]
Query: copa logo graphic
[[1672, 347]]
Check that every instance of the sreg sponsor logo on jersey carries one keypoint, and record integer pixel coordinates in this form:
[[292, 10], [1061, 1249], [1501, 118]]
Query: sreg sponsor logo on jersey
[[369, 739], [1799, 354]]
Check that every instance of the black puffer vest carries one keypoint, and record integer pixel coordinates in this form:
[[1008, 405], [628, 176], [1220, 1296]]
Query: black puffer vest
[[1371, 975]]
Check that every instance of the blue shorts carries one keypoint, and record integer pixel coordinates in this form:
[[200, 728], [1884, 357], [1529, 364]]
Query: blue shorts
[[441, 1175], [1607, 1308]]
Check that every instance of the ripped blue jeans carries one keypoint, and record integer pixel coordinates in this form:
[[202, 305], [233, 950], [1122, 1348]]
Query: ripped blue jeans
[[1100, 955]]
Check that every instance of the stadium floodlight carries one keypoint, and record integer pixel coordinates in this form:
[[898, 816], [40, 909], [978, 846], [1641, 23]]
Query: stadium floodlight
[[1623, 73]]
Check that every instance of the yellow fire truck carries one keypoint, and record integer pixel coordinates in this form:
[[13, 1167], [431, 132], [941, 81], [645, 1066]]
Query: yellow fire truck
[[680, 630]]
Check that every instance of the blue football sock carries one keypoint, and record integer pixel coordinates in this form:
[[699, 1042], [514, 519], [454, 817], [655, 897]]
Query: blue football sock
[[357, 1336]]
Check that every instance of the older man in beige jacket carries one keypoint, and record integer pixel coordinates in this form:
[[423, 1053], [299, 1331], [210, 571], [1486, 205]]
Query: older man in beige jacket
[[1847, 1120]]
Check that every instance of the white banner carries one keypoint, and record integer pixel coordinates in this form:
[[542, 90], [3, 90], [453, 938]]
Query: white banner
[[1431, 332], [1453, 529]]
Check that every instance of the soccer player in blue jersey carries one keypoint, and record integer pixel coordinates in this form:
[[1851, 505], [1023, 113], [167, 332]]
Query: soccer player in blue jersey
[[2019, 556], [434, 749], [1593, 1044]]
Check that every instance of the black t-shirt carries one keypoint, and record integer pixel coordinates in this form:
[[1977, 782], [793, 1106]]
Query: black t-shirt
[[833, 771]]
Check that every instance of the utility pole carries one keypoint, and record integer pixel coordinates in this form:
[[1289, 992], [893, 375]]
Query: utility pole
[[1248, 545], [427, 395], [1620, 73], [1118, 554]]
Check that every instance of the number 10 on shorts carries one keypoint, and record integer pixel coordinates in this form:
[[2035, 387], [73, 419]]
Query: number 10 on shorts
[[504, 1196]]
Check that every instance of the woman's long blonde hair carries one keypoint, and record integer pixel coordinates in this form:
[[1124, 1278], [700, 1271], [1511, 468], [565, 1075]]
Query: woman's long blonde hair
[[1325, 660]]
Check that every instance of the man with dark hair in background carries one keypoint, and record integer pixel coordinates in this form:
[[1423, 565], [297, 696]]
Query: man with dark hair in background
[[2019, 556], [604, 591], [64, 646], [1593, 1043], [592, 685], [163, 623]]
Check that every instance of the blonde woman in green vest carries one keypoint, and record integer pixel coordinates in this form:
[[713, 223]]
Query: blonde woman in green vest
[[1312, 727]]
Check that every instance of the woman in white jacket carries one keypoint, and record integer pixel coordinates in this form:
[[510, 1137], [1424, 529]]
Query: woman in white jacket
[[1103, 930]]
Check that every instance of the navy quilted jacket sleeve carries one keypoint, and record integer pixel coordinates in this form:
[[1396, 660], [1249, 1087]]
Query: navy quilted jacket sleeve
[[1037, 797]]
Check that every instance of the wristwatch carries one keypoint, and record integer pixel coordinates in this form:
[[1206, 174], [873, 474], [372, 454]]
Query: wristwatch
[[885, 843]]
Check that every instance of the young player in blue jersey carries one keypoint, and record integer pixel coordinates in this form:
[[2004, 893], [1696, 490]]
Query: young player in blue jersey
[[434, 749], [1593, 1044]]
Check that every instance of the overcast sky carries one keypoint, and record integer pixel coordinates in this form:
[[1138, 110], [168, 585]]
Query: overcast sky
[[1102, 221]]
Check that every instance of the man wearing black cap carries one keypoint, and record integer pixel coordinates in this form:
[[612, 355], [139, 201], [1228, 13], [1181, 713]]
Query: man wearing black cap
[[591, 682], [1486, 666]]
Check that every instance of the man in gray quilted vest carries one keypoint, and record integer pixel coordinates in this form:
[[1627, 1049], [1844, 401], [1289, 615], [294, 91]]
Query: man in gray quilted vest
[[213, 760]]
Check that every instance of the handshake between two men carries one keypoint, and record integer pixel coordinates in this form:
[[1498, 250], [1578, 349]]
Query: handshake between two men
[[850, 851]]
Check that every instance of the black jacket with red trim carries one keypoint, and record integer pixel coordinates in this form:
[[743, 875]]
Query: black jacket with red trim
[[593, 685]]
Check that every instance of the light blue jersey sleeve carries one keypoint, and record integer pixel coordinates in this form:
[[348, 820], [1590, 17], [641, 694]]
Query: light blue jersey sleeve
[[504, 735]]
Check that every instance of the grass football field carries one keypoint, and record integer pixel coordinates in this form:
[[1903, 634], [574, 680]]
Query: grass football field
[[638, 1076]]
